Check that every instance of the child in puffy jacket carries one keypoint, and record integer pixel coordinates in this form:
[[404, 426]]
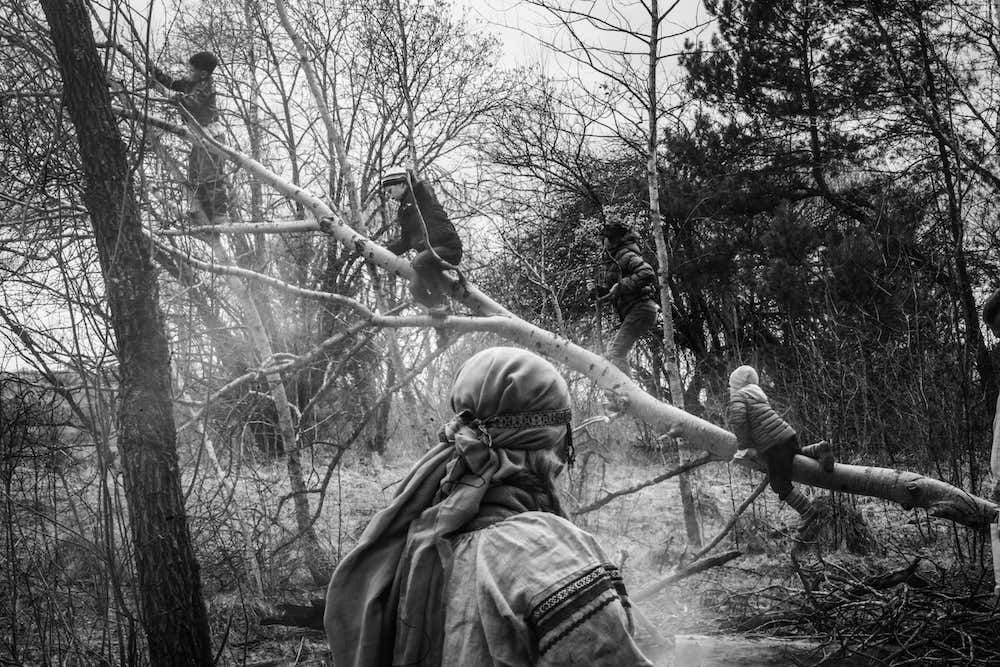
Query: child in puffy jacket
[[759, 427]]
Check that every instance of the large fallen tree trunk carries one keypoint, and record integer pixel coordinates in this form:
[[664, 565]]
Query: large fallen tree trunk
[[909, 489]]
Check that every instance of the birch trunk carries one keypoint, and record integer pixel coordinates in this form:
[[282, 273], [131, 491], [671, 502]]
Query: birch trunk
[[686, 480]]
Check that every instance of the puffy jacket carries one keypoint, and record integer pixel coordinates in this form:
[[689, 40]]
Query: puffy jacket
[[635, 278], [421, 201], [754, 422]]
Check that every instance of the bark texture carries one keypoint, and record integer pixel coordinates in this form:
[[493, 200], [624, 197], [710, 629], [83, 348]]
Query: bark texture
[[173, 610], [687, 481]]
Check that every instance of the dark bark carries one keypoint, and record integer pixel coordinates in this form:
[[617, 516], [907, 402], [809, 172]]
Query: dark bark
[[174, 615]]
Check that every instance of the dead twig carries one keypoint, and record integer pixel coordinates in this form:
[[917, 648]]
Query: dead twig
[[692, 569], [732, 521], [683, 468]]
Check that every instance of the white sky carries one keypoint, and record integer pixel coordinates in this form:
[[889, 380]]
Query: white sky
[[521, 27]]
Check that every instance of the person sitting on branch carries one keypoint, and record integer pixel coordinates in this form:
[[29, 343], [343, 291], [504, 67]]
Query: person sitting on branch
[[424, 227], [631, 287], [474, 561], [206, 171], [759, 428]]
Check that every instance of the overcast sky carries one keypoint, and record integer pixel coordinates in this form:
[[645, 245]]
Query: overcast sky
[[521, 26]]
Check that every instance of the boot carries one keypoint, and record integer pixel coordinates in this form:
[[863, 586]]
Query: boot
[[822, 452], [805, 533]]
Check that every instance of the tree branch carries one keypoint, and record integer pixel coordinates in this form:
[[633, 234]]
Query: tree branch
[[673, 472], [906, 488]]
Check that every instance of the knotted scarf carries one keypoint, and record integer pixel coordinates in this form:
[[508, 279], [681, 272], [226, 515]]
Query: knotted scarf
[[385, 602]]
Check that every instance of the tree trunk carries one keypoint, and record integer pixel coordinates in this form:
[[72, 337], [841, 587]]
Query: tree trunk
[[174, 615], [686, 480]]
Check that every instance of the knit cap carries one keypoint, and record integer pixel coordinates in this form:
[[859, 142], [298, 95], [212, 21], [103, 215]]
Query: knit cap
[[743, 376]]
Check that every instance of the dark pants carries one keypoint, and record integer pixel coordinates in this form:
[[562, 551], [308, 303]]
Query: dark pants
[[213, 198], [428, 286], [779, 465], [207, 176], [639, 319]]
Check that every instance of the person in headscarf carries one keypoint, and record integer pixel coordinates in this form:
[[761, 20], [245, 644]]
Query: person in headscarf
[[473, 562], [759, 428]]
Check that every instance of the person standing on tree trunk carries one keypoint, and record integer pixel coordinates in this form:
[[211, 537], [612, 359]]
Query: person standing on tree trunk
[[759, 428], [424, 227], [631, 287], [206, 171]]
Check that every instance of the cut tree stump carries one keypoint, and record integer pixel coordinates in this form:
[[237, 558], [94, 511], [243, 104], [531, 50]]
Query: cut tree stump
[[722, 651]]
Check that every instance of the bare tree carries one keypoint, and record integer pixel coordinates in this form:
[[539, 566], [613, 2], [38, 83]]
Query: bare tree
[[174, 612], [628, 108]]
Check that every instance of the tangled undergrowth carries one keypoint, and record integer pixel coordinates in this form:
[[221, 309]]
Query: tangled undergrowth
[[905, 617]]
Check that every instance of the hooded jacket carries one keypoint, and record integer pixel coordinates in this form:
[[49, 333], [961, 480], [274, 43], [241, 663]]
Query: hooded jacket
[[420, 201], [754, 422], [636, 279]]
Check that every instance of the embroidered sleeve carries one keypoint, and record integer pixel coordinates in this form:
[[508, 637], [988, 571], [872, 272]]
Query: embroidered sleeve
[[586, 619]]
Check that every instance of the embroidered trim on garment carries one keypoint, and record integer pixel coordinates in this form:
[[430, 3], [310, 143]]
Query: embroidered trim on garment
[[557, 615], [526, 419]]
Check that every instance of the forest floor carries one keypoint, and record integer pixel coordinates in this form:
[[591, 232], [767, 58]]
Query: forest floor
[[839, 598]]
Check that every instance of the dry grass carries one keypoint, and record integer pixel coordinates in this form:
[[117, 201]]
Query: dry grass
[[828, 599]]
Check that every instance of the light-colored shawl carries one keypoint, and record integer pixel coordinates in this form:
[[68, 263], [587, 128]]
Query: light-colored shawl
[[384, 604]]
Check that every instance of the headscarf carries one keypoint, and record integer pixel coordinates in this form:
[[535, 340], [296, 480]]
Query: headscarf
[[385, 602]]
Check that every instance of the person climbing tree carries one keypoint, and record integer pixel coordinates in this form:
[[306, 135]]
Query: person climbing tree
[[206, 171], [759, 428], [631, 287], [424, 227]]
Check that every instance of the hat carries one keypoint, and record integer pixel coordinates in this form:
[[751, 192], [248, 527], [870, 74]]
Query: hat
[[743, 376], [395, 176], [614, 230], [204, 60]]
